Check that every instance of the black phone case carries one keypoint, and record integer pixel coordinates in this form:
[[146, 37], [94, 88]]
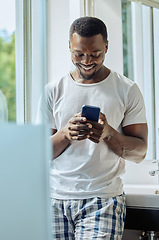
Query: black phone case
[[90, 112]]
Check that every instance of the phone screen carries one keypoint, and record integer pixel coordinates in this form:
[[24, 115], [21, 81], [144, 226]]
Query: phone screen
[[90, 112]]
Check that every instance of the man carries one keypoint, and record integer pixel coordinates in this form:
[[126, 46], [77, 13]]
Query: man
[[86, 189]]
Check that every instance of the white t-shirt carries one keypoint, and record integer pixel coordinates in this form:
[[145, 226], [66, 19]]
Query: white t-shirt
[[86, 169]]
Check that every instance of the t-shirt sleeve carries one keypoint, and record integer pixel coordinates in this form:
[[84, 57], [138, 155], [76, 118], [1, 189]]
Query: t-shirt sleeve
[[135, 107], [45, 109]]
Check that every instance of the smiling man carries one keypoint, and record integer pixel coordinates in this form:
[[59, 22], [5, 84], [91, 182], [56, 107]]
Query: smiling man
[[88, 55], [89, 157]]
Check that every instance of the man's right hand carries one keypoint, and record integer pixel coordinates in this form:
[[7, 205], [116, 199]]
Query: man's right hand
[[77, 128]]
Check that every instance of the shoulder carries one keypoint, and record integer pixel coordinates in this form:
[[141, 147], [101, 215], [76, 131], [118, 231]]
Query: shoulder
[[53, 87], [120, 79], [123, 85], [55, 84]]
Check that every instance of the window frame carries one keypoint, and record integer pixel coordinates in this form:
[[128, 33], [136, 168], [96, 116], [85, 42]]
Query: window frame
[[146, 75], [31, 57], [150, 3]]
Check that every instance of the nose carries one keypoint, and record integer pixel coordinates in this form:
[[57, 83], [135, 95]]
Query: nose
[[87, 59]]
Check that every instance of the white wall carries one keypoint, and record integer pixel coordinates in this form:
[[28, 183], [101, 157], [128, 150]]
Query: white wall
[[138, 173], [110, 13], [61, 14], [58, 47]]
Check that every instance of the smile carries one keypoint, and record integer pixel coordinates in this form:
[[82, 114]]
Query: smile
[[87, 68]]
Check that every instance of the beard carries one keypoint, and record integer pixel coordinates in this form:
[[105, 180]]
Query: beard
[[87, 77], [84, 76]]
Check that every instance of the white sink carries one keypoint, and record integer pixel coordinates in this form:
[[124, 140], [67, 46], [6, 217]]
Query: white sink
[[143, 196]]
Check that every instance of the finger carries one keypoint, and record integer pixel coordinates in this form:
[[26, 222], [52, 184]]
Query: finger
[[96, 131], [100, 121], [95, 136], [79, 133], [96, 125], [101, 115], [80, 127], [79, 137], [76, 120], [93, 139], [102, 118], [77, 115]]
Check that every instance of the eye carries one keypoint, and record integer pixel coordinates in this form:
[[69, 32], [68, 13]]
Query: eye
[[95, 55], [78, 54]]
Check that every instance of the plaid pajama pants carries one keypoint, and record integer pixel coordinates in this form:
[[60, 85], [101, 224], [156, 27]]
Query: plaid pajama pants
[[94, 218]]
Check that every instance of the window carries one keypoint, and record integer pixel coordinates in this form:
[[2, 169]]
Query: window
[[140, 45], [31, 60], [7, 61]]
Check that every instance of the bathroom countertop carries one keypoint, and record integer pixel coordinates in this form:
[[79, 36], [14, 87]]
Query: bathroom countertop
[[143, 196]]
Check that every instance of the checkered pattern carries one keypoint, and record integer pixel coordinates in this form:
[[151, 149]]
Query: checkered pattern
[[93, 218]]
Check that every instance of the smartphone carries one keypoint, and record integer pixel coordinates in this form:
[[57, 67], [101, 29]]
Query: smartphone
[[90, 112]]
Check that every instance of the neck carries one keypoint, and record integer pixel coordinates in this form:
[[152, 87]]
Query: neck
[[98, 77]]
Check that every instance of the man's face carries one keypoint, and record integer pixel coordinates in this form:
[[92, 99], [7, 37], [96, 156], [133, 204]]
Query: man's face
[[88, 54]]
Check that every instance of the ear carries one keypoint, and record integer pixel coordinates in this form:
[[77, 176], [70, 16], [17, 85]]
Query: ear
[[69, 45], [106, 47]]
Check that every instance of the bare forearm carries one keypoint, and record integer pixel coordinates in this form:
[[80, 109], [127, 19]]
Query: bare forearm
[[127, 147], [75, 130], [60, 143]]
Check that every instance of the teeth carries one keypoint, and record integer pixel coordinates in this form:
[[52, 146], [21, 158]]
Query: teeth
[[87, 68]]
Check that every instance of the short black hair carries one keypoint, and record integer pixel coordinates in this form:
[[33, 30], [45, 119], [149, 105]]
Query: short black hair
[[88, 27]]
